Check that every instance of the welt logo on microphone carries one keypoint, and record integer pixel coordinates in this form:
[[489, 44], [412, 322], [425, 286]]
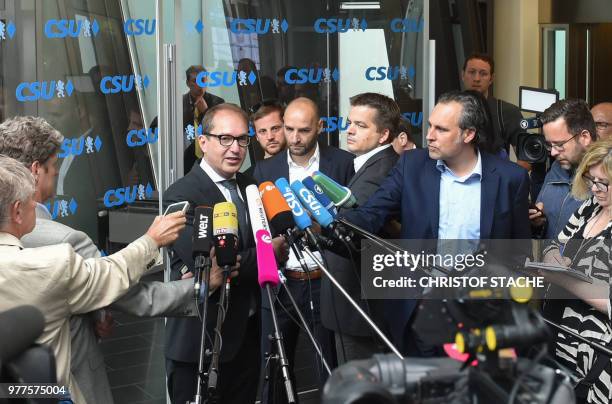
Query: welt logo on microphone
[[139, 27], [127, 195], [75, 147], [313, 75], [62, 207], [7, 30], [335, 25], [71, 28], [390, 73], [125, 83], [141, 137], [259, 26], [43, 90], [406, 25], [225, 79]]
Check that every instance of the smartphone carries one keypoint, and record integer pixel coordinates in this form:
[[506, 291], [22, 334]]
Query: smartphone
[[534, 207], [177, 207]]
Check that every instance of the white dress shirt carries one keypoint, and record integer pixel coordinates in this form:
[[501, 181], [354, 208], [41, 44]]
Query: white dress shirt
[[359, 161]]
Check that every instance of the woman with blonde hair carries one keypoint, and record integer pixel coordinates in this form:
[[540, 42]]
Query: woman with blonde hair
[[584, 245]]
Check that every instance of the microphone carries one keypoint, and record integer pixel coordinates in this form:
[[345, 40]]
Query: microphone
[[321, 215], [318, 192], [267, 270], [19, 328], [341, 196], [225, 233], [202, 242], [257, 213]]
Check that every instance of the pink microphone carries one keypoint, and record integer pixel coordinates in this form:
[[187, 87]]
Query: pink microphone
[[267, 273]]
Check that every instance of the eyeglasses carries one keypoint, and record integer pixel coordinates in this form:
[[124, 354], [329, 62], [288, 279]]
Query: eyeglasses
[[602, 186], [559, 147], [265, 103], [602, 125], [228, 140]]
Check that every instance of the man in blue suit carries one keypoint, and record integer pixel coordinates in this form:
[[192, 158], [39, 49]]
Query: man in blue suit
[[302, 126], [451, 190]]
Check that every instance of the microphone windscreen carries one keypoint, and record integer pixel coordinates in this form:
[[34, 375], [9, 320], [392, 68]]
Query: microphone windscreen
[[202, 230], [318, 192], [19, 328], [272, 199], [267, 270], [311, 202], [341, 196], [302, 220], [282, 222], [225, 233], [257, 213]]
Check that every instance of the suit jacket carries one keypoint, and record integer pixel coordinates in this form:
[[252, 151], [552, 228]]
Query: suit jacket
[[363, 184], [183, 335], [146, 299], [60, 283]]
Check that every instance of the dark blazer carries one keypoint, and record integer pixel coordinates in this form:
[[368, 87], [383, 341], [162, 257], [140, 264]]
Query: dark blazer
[[363, 184], [183, 334], [334, 162], [413, 187]]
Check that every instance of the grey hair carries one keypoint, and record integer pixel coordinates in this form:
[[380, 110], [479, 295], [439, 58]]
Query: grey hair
[[29, 139], [16, 184]]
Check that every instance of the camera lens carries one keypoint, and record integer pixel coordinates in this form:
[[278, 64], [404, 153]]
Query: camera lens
[[534, 148]]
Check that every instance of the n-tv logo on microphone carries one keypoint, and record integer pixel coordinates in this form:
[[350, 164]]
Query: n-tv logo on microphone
[[43, 90], [313, 203], [7, 29], [203, 226], [71, 28]]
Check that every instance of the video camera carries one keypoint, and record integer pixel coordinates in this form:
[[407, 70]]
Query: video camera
[[530, 146]]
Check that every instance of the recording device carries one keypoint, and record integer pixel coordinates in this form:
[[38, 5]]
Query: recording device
[[225, 233], [177, 207], [531, 146], [341, 196], [276, 208], [257, 213], [320, 194], [202, 243], [321, 215]]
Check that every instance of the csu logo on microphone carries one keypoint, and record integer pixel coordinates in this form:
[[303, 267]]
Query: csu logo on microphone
[[43, 90], [312, 75], [75, 147], [119, 196], [407, 25], [309, 199], [258, 26], [125, 83], [140, 137], [293, 203], [139, 27], [71, 28], [389, 73], [333, 25], [203, 226]]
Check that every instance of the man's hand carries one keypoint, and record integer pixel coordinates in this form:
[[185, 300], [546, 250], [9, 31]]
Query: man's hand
[[201, 105], [536, 215], [281, 249], [103, 327], [165, 229], [216, 272]]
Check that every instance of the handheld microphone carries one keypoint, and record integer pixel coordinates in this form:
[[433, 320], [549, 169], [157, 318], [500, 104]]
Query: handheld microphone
[[202, 242], [257, 213], [302, 220], [28, 321], [225, 233], [318, 192], [341, 196], [276, 208], [267, 270], [321, 215]]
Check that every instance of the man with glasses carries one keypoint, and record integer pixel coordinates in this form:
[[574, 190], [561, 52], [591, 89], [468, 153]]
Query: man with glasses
[[215, 178], [569, 129], [602, 114]]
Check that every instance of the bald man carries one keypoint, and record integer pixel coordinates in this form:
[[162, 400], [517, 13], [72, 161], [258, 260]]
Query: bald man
[[304, 155], [602, 115]]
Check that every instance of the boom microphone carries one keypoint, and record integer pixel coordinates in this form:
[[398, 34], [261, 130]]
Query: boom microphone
[[318, 192], [267, 270], [341, 196], [225, 233], [19, 328]]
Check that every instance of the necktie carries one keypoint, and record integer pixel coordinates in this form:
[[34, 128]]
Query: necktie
[[243, 229]]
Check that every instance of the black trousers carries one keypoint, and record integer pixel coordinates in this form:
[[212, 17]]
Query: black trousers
[[238, 378]]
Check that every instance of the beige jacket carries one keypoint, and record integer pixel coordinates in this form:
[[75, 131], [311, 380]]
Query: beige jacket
[[61, 283]]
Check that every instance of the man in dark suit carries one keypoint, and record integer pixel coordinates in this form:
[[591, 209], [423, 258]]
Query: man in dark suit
[[216, 179], [373, 121], [302, 126], [451, 190]]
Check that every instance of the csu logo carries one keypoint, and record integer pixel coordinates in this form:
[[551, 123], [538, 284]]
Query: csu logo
[[75, 147], [116, 84], [71, 28], [140, 137], [7, 29], [139, 27], [119, 196], [333, 123], [406, 25], [45, 90], [62, 208], [310, 200], [332, 25], [293, 203], [217, 79], [415, 118], [257, 26], [389, 73], [312, 75]]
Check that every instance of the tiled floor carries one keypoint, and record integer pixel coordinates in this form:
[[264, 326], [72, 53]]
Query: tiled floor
[[135, 362]]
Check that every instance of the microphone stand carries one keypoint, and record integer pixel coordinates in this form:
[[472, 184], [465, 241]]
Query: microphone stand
[[281, 355], [202, 264], [213, 370], [353, 303]]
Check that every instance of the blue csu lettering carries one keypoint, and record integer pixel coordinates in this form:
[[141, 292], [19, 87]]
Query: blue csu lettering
[[258, 26], [139, 27], [312, 75], [389, 73], [75, 147], [139, 137], [119, 196], [71, 28], [333, 25], [407, 25], [333, 123], [33, 91], [415, 118], [117, 84], [217, 78]]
